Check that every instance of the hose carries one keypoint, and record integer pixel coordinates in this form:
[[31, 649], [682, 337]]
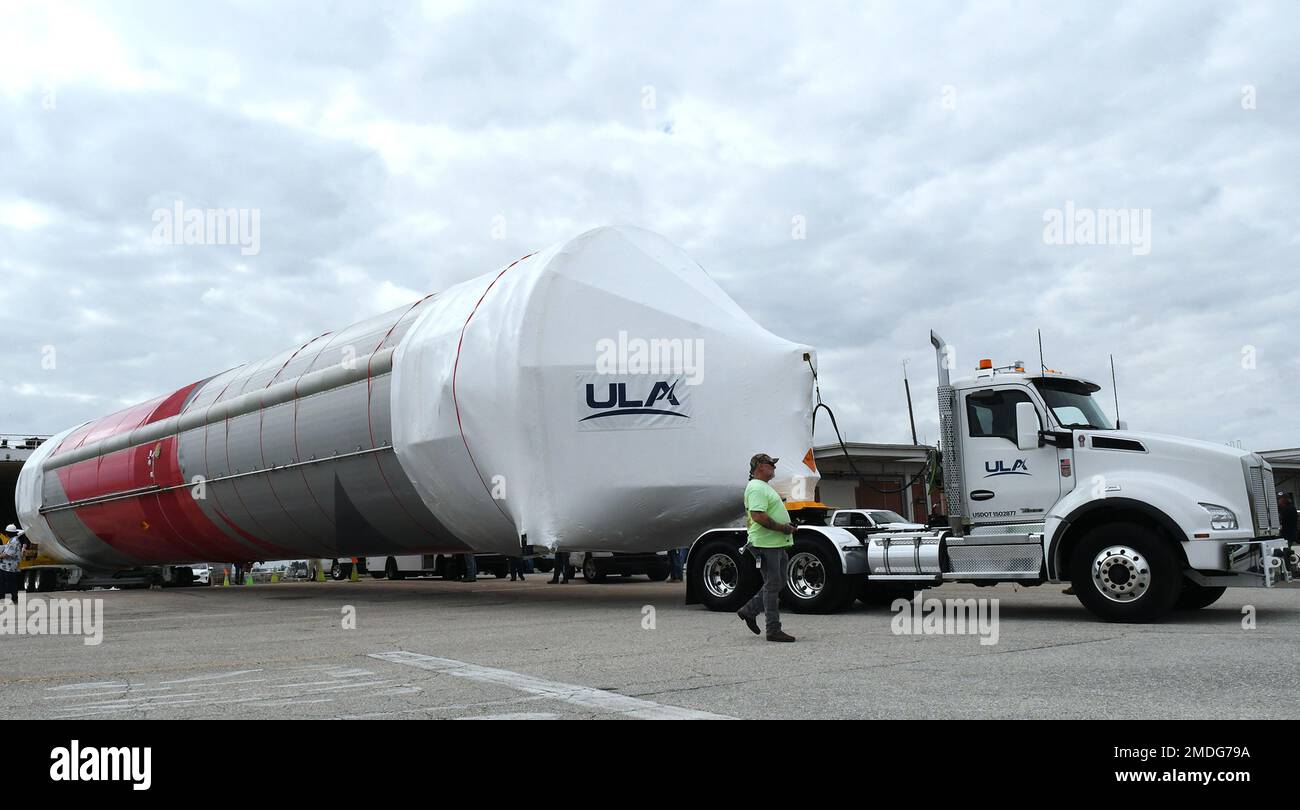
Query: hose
[[932, 461]]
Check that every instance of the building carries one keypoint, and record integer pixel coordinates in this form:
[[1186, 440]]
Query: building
[[14, 450], [1286, 470], [882, 471]]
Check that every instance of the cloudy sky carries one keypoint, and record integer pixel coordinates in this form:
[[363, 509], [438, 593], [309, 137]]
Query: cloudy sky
[[853, 174]]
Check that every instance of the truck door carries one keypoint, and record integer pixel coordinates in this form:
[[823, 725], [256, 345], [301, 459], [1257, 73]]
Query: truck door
[[1005, 484]]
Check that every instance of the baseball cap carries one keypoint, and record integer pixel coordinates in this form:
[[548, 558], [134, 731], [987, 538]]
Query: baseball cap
[[761, 458]]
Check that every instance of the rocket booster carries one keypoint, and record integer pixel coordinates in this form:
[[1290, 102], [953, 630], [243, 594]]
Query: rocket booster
[[601, 395]]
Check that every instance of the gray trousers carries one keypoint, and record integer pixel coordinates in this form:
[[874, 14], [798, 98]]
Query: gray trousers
[[773, 563]]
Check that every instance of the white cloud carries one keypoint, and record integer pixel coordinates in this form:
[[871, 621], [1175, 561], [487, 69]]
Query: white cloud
[[920, 143]]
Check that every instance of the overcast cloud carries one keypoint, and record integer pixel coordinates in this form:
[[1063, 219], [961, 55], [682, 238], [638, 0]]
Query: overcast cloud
[[393, 150]]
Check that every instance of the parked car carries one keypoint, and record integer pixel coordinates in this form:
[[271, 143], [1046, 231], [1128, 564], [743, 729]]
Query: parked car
[[597, 565], [862, 522]]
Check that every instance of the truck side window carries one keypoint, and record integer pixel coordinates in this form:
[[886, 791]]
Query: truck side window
[[993, 413]]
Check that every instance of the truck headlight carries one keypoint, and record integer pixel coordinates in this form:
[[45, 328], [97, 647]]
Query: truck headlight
[[1221, 517]]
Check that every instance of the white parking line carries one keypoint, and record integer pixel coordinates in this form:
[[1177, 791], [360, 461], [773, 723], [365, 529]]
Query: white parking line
[[584, 696], [217, 676]]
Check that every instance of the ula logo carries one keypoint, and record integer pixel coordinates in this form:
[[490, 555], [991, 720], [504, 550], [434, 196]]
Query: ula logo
[[1000, 468], [90, 764], [633, 401], [614, 400]]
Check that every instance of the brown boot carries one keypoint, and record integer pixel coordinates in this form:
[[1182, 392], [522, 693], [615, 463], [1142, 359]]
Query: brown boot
[[779, 635], [750, 622]]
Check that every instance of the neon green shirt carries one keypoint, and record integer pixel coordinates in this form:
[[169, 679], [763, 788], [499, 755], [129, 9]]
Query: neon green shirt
[[760, 497]]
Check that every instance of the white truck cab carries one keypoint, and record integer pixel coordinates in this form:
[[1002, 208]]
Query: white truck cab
[[1040, 487]]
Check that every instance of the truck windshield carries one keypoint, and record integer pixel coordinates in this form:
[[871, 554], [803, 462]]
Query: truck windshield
[[882, 516], [1072, 404]]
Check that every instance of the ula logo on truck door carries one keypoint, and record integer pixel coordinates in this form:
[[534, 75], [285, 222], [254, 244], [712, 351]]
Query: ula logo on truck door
[[999, 468]]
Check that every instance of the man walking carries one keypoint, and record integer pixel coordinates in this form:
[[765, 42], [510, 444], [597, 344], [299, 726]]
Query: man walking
[[770, 533]]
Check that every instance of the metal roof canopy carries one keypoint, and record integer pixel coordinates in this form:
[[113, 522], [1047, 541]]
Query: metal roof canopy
[[873, 453], [1283, 459]]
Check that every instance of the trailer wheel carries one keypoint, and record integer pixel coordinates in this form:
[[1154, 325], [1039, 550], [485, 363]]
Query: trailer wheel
[[814, 582], [725, 578], [390, 570], [1125, 573], [590, 571], [1195, 597]]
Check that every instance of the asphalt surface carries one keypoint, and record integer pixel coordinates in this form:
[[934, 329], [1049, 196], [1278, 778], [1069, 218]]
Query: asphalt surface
[[632, 649]]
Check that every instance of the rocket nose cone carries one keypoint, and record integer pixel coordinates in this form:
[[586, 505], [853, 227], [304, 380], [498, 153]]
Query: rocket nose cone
[[608, 395], [667, 390]]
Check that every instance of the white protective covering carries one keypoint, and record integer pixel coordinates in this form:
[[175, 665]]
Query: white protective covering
[[28, 498], [494, 423]]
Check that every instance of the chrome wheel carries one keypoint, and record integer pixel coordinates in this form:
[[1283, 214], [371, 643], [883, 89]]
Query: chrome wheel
[[807, 575], [720, 575], [1121, 574]]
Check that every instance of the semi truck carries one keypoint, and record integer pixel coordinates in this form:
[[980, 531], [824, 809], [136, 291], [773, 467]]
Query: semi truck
[[1040, 487]]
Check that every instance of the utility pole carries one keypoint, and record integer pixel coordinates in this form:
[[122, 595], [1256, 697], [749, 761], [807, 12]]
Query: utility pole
[[908, 388]]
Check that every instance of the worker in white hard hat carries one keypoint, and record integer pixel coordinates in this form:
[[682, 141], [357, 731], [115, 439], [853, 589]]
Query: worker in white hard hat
[[10, 555]]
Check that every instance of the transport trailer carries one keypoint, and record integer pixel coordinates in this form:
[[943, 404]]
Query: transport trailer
[[1040, 488]]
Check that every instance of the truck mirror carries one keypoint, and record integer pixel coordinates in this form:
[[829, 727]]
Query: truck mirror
[[1026, 426]]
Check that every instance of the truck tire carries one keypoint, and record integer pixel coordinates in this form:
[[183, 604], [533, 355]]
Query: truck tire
[[1195, 597], [814, 581], [591, 571], [1125, 573], [657, 573], [390, 570], [725, 579], [340, 571]]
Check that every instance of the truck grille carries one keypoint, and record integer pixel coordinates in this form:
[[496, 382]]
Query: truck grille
[[1263, 501]]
